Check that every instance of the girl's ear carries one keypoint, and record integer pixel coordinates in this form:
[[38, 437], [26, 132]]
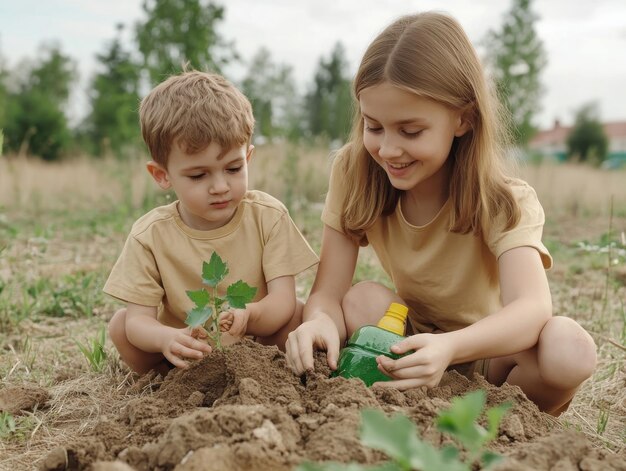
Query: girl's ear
[[249, 153], [464, 123], [159, 173]]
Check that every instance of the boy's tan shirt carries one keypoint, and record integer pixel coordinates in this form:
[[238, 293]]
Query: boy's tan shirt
[[448, 280], [162, 257]]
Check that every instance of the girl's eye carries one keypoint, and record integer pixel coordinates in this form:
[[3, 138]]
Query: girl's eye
[[196, 177], [412, 133], [234, 169], [372, 129]]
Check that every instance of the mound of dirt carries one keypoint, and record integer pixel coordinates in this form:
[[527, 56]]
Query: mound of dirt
[[243, 409]]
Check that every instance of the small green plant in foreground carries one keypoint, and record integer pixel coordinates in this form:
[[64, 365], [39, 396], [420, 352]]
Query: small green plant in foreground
[[397, 437], [208, 304], [95, 354], [7, 425]]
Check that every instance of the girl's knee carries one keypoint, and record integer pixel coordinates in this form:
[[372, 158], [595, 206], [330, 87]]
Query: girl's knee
[[365, 303], [567, 353], [117, 326]]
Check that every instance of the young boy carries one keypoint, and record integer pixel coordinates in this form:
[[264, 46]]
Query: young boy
[[197, 127]]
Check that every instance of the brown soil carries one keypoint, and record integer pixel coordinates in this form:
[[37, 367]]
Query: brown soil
[[242, 409]]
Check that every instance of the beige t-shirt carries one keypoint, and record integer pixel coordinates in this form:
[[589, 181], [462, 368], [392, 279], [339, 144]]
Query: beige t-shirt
[[448, 280], [162, 257]]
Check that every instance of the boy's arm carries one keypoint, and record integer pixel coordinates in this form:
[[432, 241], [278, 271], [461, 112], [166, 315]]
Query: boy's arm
[[145, 332], [275, 310]]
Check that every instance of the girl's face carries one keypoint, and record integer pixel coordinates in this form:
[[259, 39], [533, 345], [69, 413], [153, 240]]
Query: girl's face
[[409, 136], [209, 185]]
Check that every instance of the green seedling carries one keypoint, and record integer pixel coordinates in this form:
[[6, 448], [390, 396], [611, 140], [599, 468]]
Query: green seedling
[[397, 437], [603, 419], [7, 425], [208, 305], [95, 354]]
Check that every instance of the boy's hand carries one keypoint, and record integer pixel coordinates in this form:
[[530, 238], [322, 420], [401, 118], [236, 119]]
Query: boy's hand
[[425, 367], [183, 343], [235, 321]]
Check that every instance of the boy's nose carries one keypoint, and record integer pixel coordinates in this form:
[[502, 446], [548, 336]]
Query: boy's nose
[[218, 185]]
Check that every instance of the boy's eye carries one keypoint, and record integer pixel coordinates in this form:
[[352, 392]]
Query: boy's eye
[[234, 169], [196, 177]]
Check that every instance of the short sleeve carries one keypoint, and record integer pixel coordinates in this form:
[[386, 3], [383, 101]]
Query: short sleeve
[[135, 277], [528, 231], [286, 251]]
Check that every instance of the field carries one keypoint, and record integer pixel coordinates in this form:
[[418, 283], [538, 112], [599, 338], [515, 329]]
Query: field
[[61, 229]]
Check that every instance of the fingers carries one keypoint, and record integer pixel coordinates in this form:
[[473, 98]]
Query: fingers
[[409, 376], [299, 348], [199, 333], [332, 353], [410, 343], [176, 361]]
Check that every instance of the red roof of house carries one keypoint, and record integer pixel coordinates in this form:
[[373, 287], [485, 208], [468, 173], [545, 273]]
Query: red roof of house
[[558, 134]]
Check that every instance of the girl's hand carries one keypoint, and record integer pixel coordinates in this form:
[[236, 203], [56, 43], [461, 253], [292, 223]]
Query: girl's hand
[[320, 333], [425, 367], [183, 343], [234, 321]]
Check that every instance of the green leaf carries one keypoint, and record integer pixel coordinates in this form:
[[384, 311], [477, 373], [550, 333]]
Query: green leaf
[[494, 416], [197, 317], [1, 140], [460, 419], [239, 294], [489, 458], [200, 297], [396, 436], [214, 271]]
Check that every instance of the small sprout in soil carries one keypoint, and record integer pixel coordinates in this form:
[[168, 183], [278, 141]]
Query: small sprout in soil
[[7, 425], [397, 437], [95, 354], [208, 305]]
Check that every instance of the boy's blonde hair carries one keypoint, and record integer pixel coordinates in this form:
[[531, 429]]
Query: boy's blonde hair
[[194, 109], [430, 55]]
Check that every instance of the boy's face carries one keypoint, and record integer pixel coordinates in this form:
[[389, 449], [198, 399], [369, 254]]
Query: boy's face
[[209, 185]]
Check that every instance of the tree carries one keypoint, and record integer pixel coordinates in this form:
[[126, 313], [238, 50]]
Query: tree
[[587, 140], [329, 104], [518, 57], [179, 31], [113, 122], [272, 92], [35, 113]]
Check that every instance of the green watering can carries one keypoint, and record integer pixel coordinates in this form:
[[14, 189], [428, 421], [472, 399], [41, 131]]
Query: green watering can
[[358, 358]]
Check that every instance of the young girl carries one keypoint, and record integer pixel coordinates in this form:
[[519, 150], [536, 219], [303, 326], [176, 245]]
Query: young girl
[[421, 181]]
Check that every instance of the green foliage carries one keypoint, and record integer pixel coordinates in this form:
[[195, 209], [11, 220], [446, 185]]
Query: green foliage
[[397, 437], [35, 119], [587, 140], [175, 32], [518, 57], [329, 104], [112, 124], [272, 92], [208, 304], [95, 354]]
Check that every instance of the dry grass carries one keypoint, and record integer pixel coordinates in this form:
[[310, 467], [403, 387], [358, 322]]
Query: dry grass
[[66, 219]]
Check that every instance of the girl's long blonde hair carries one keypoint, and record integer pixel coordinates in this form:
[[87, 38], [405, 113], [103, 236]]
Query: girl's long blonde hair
[[430, 55]]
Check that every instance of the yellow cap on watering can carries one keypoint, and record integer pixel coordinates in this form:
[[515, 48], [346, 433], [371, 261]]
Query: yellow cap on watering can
[[394, 319]]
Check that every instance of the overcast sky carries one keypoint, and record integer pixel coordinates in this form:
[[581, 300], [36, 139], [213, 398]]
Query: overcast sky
[[585, 41]]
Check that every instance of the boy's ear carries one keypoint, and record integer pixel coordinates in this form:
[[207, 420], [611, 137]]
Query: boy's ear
[[249, 153], [159, 173]]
